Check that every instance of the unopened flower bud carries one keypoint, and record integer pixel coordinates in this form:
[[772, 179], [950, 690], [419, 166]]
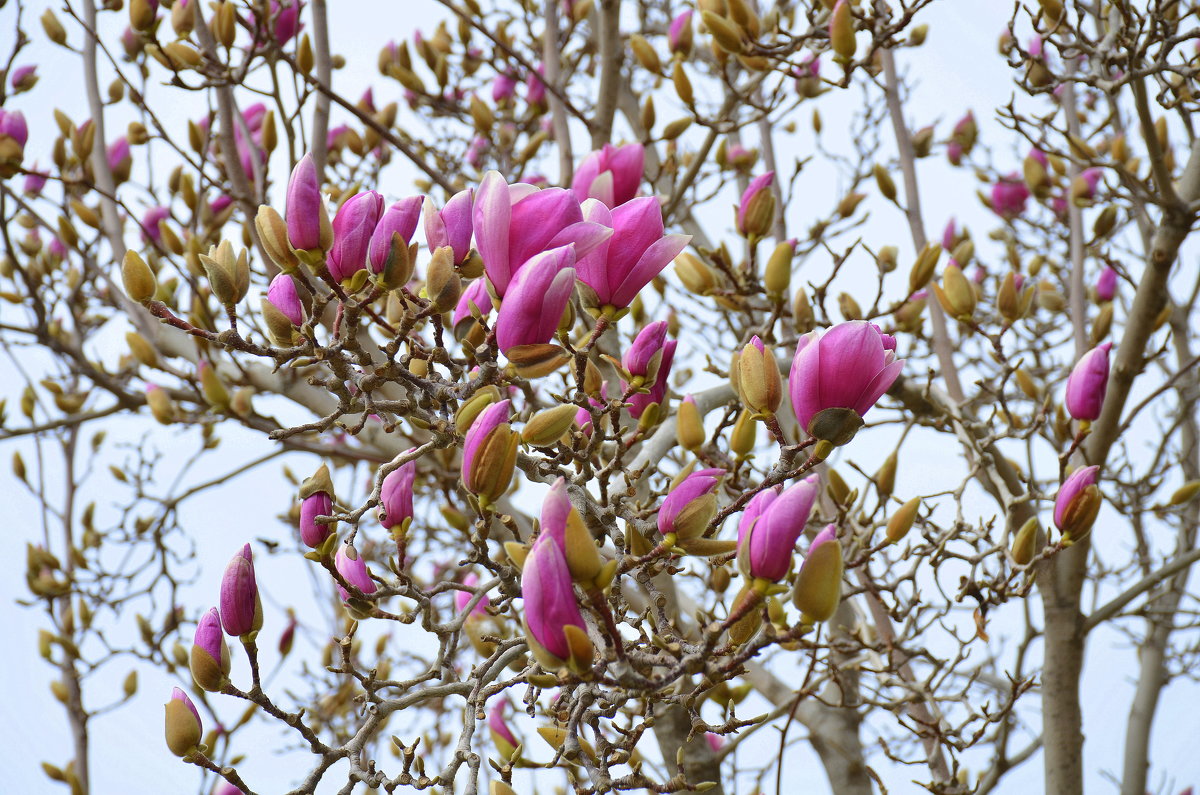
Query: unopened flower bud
[[137, 278], [1024, 542], [902, 520], [759, 383], [778, 274], [209, 659], [689, 425], [549, 425], [241, 607], [955, 293], [183, 727], [841, 30], [818, 589]]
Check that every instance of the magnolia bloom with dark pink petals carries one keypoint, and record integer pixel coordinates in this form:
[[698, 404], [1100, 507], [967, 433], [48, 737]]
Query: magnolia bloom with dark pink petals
[[150, 221], [756, 210], [35, 181], [209, 660], [765, 549], [535, 86], [551, 609], [489, 453], [1106, 284], [689, 507], [24, 77], [637, 251], [283, 296], [611, 174], [12, 125], [312, 506], [305, 207], [475, 294], [536, 299], [241, 607], [503, 88], [450, 226], [1077, 503], [1009, 195], [849, 366], [463, 598], [515, 222], [399, 219], [649, 360], [754, 509], [396, 495], [353, 226], [353, 568], [506, 742], [1088, 383]]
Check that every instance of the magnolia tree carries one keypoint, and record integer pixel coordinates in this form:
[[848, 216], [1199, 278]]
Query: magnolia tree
[[651, 438]]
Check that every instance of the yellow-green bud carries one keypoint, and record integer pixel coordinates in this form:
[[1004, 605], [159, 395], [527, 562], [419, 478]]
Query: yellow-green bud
[[137, 277]]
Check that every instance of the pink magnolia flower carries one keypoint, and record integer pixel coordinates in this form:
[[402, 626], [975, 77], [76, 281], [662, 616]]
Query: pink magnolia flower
[[536, 299], [1009, 195], [1072, 489], [353, 568], [752, 214], [754, 509], [550, 603], [24, 77], [12, 125], [650, 342], [1106, 284], [399, 219], [1088, 383], [35, 181], [765, 549], [476, 293], [611, 174], [150, 221], [304, 206], [679, 36], [281, 293], [451, 225], [353, 226], [503, 88], [515, 222], [849, 366], [210, 654], [488, 420], [637, 251], [695, 486], [241, 607], [463, 598], [396, 495], [535, 86], [312, 506]]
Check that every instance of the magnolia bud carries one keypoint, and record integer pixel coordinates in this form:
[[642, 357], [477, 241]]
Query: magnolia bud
[[689, 425], [1025, 541], [778, 273], [442, 285], [922, 269], [841, 31], [137, 277], [272, 231], [183, 727], [955, 293], [818, 589], [759, 383], [549, 425], [902, 520]]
